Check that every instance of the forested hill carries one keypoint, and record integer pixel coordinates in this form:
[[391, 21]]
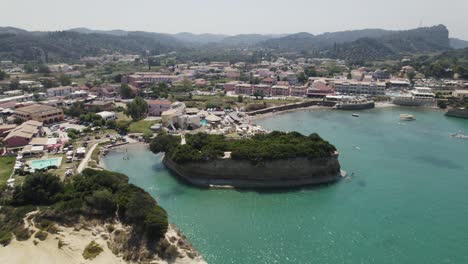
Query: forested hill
[[433, 39], [68, 46], [366, 44]]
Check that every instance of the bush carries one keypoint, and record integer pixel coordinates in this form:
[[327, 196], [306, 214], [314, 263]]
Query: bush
[[22, 234], [102, 200], [156, 223], [38, 189], [5, 237], [41, 235], [164, 143], [92, 250]]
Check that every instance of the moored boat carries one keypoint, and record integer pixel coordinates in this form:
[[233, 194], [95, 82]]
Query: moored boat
[[407, 117]]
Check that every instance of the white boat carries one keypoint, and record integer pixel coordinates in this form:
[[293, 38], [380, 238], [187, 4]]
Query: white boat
[[355, 115], [459, 135], [407, 117]]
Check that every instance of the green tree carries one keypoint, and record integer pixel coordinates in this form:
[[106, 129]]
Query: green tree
[[240, 99], [156, 223], [411, 76], [29, 68], [36, 97], [442, 104], [3, 75], [302, 78], [102, 200], [43, 69], [122, 126], [14, 84], [137, 109], [38, 189], [125, 91], [64, 80], [118, 78]]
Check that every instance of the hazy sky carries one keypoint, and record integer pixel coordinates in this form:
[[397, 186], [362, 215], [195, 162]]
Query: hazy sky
[[235, 16]]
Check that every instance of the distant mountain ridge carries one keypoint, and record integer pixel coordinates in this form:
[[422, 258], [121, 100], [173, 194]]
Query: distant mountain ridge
[[458, 43], [71, 46], [366, 44]]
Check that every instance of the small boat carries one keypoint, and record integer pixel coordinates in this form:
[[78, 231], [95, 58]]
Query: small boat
[[459, 135], [407, 117], [355, 115]]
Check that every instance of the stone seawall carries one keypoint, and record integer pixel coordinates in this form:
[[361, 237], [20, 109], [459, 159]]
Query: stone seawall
[[272, 174], [460, 113], [290, 107]]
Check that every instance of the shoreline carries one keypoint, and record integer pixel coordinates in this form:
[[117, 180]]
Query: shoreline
[[313, 107]]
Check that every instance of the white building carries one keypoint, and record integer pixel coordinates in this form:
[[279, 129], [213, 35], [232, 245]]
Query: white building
[[106, 115], [360, 88]]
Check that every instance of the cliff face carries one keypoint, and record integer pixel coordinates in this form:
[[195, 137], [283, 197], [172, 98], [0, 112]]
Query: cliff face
[[272, 174]]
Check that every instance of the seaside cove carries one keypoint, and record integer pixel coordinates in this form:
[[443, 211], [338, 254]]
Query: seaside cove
[[404, 202]]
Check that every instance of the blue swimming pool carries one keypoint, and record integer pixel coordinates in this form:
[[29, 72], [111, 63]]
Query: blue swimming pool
[[45, 163]]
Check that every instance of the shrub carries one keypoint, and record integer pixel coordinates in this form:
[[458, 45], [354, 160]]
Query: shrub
[[38, 189], [92, 250], [22, 234], [102, 200], [156, 223], [41, 235], [5, 237]]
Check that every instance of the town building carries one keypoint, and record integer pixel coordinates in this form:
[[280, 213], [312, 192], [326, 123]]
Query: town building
[[230, 86], [397, 84], [157, 107], [59, 91], [232, 73], [107, 115], [22, 135], [298, 91], [268, 81], [145, 79], [24, 98], [381, 75], [280, 90], [360, 88], [262, 89], [5, 129], [97, 105], [243, 88], [39, 112], [462, 94]]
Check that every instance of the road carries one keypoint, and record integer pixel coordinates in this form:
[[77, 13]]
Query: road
[[85, 161]]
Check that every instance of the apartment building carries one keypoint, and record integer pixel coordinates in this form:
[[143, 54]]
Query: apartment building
[[41, 113], [360, 88]]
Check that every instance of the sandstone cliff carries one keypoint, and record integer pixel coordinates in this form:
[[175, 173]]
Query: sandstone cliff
[[271, 174]]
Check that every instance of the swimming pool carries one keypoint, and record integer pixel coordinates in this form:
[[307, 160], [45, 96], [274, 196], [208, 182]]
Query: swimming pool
[[45, 163]]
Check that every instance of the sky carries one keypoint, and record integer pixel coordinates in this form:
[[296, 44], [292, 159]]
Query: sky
[[235, 16]]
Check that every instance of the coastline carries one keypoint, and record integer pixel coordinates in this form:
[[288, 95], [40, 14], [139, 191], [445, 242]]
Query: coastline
[[228, 173], [313, 107], [173, 230]]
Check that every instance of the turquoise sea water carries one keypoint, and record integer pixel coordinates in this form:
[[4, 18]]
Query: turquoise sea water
[[406, 203]]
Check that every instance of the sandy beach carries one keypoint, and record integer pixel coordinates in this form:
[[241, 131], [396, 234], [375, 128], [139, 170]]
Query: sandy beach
[[74, 241]]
